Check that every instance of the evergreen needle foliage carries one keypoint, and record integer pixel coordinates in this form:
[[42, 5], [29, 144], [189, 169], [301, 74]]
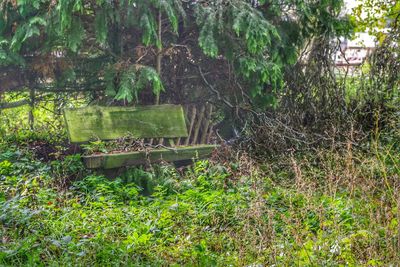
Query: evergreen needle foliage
[[253, 42]]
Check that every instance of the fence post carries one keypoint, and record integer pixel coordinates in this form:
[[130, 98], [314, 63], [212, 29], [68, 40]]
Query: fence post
[[31, 118]]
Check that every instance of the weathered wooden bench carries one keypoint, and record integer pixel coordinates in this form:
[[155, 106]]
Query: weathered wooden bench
[[163, 122]]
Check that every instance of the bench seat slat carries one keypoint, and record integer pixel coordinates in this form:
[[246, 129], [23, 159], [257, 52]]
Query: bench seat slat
[[108, 123], [110, 161]]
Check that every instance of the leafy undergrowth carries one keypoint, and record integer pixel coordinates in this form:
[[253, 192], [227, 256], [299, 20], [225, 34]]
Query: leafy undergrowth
[[325, 209]]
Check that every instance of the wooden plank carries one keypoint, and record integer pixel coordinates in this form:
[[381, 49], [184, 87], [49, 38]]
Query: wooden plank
[[192, 120], [198, 124], [110, 161], [207, 121], [14, 104], [108, 123], [185, 112]]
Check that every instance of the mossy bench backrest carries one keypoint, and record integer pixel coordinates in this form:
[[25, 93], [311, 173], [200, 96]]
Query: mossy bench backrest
[[159, 122], [108, 123]]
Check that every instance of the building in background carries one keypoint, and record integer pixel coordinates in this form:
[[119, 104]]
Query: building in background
[[354, 52]]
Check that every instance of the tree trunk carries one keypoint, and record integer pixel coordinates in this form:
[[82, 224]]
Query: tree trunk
[[159, 53]]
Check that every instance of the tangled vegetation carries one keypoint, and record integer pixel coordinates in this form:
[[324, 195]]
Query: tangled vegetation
[[308, 169], [329, 208]]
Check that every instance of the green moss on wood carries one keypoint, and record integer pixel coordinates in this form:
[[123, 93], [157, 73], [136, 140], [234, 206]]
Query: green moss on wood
[[108, 123], [109, 161]]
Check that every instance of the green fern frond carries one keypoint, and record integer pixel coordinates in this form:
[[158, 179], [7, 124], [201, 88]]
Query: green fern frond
[[132, 82], [207, 39], [169, 11], [147, 23], [26, 31], [101, 26], [75, 34], [126, 85], [65, 13], [179, 8], [109, 79], [149, 75]]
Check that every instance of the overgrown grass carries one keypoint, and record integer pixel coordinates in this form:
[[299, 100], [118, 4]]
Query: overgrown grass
[[324, 209]]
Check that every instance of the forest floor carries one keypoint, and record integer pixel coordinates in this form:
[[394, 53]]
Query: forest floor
[[325, 208]]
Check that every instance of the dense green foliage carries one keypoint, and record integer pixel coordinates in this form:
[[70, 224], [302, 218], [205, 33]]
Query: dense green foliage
[[313, 182], [325, 209], [117, 47], [375, 15]]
